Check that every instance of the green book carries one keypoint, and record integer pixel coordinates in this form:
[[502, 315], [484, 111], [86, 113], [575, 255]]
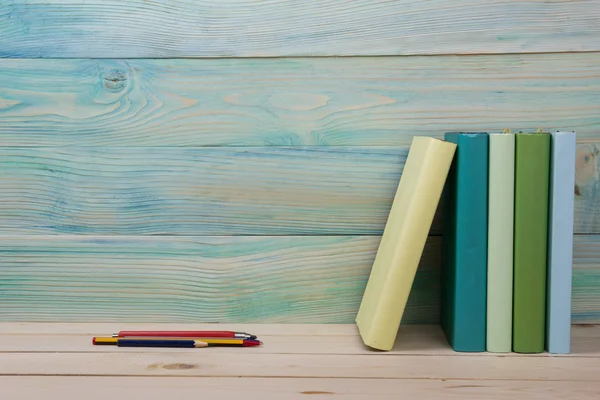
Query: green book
[[532, 174]]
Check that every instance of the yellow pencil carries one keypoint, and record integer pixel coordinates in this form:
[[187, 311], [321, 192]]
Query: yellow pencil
[[209, 341]]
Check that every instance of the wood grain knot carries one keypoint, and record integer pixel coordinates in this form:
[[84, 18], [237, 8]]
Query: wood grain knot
[[585, 166], [179, 366], [115, 80]]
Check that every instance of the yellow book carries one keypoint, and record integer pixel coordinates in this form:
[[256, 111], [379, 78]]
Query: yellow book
[[403, 240]]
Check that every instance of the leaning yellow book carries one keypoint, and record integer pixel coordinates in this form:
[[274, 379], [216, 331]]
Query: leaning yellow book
[[404, 236]]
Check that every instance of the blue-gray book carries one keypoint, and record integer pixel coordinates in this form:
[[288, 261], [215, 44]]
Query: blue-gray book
[[560, 245]]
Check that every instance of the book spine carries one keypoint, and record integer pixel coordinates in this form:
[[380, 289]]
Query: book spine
[[560, 245], [532, 164], [500, 242], [404, 236], [465, 241]]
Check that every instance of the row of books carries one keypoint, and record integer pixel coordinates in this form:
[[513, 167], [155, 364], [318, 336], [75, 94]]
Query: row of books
[[507, 241]]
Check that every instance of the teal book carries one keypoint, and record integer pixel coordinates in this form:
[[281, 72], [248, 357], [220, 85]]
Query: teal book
[[464, 243]]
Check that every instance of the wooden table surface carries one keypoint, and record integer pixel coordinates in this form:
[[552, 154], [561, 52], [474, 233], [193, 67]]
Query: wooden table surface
[[295, 361]]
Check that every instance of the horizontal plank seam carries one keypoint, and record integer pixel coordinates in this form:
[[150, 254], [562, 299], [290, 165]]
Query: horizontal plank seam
[[268, 147], [297, 377], [332, 56], [316, 234], [374, 354]]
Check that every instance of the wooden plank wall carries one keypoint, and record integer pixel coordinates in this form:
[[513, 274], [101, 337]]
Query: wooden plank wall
[[221, 161]]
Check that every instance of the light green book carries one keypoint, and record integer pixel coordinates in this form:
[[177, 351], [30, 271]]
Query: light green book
[[501, 183]]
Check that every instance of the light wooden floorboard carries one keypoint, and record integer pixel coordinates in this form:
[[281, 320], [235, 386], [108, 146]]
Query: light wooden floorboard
[[159, 388], [360, 101], [247, 28], [294, 361], [315, 339], [225, 364], [346, 359]]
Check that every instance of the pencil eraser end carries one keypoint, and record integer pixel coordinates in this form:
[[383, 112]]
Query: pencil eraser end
[[93, 340]]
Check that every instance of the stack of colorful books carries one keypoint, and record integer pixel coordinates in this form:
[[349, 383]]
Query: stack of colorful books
[[507, 242], [508, 203]]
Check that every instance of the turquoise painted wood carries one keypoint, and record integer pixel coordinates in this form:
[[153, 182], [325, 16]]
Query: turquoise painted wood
[[318, 190], [294, 279], [587, 187], [198, 191], [197, 279], [271, 102], [249, 28], [585, 306], [116, 206]]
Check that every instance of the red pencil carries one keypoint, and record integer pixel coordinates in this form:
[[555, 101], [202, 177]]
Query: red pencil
[[194, 334]]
